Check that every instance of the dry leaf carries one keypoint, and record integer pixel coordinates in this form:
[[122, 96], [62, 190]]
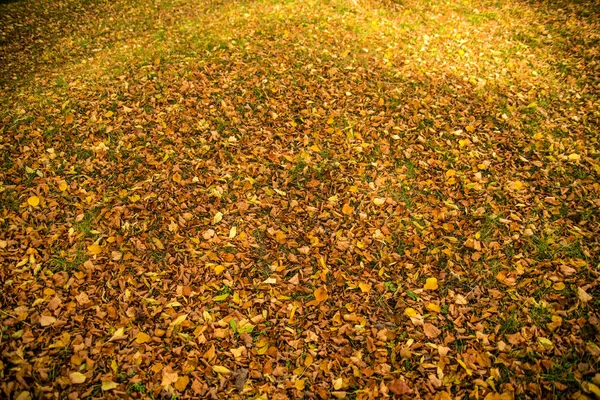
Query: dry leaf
[[431, 284], [220, 369], [347, 209], [321, 294], [33, 201], [583, 295], [47, 320], [77, 377], [431, 331], [142, 338]]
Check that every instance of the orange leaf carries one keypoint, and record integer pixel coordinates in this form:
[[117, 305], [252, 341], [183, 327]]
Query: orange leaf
[[347, 209], [321, 294]]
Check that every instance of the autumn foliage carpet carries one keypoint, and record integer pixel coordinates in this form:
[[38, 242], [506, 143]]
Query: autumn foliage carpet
[[299, 199]]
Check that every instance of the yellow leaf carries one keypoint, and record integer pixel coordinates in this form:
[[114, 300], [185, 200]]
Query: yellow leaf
[[182, 383], [574, 157], [33, 201], [338, 383], [220, 369], [591, 388], [158, 243], [450, 173], [518, 185], [232, 232], [299, 384], [94, 249], [178, 320], [462, 364], [218, 217], [219, 269], [433, 307], [134, 197], [378, 201], [410, 312], [221, 297], [364, 287], [321, 294], [546, 343], [62, 186], [558, 286], [176, 177], [431, 284], [77, 377], [142, 338], [280, 237], [110, 385], [347, 209], [583, 295], [119, 333]]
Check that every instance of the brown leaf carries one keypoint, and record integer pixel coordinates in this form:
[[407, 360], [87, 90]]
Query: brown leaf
[[399, 387], [431, 330]]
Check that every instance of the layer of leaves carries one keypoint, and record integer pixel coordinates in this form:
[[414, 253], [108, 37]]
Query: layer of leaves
[[342, 198]]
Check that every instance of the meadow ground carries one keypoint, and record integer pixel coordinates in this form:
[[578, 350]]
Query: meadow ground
[[299, 199]]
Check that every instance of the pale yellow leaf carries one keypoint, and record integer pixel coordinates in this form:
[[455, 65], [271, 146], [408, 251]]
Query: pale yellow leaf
[[178, 320], [218, 217], [583, 295], [47, 320], [232, 232], [109, 385], [378, 201], [77, 377], [220, 369], [119, 334]]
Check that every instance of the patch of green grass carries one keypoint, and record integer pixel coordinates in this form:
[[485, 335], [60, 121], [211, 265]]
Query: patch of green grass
[[69, 263], [510, 325], [540, 315], [85, 226], [136, 388]]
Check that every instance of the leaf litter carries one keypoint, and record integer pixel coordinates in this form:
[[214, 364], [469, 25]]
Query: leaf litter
[[301, 199]]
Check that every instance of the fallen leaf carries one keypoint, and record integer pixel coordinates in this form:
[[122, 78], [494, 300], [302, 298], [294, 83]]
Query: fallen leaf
[[347, 209], [33, 201], [583, 295], [118, 335], [321, 294], [182, 383], [218, 217], [142, 338], [220, 369], [94, 249], [399, 387], [431, 284], [109, 385], [47, 320], [431, 331], [77, 377]]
